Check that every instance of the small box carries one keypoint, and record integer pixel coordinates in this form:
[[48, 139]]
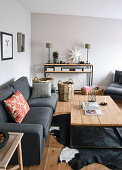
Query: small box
[[50, 69], [72, 69], [78, 69], [65, 69], [57, 68]]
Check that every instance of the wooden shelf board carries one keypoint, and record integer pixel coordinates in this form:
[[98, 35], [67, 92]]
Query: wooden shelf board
[[68, 64], [68, 71]]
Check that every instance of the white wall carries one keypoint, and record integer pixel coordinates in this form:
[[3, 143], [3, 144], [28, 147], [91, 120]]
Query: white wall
[[66, 32], [15, 18]]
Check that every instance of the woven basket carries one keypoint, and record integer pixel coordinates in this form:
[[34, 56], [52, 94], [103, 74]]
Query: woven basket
[[99, 91], [65, 90], [43, 79]]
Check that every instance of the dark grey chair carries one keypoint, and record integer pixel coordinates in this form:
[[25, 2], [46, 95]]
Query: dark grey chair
[[115, 88]]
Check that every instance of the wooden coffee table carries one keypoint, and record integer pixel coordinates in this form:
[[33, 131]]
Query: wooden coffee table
[[111, 114]]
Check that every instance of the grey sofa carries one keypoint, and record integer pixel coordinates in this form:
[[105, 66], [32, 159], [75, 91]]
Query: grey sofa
[[115, 88], [36, 123]]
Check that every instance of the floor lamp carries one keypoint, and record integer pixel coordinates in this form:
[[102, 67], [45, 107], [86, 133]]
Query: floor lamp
[[87, 46], [49, 46]]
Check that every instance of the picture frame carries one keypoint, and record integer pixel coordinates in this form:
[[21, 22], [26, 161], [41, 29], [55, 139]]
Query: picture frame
[[6, 46]]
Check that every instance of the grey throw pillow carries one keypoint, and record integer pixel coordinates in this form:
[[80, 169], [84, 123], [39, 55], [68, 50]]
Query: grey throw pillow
[[120, 79], [42, 89]]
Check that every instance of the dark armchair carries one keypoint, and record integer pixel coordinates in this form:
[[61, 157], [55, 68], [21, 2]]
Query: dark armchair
[[115, 88]]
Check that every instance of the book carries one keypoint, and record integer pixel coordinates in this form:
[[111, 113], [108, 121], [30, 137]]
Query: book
[[93, 112], [90, 106], [87, 88]]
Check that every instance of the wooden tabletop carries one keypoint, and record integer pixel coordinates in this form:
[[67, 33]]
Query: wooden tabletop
[[7, 151], [111, 114]]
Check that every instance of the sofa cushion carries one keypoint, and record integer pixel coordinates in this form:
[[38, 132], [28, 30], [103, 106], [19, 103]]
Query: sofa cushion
[[4, 94], [40, 115], [44, 102], [113, 90], [117, 75], [42, 89], [120, 79], [23, 86], [17, 107]]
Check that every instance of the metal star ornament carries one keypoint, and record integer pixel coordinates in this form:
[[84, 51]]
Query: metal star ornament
[[76, 55]]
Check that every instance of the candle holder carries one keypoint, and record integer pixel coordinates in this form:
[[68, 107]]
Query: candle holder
[[91, 96], [104, 103]]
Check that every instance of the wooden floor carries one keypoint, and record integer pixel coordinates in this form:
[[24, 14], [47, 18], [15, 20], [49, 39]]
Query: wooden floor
[[51, 153]]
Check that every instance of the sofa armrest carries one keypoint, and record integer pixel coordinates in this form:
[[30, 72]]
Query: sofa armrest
[[24, 128], [53, 90], [32, 141]]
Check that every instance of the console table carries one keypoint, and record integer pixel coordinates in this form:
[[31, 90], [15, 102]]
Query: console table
[[71, 68]]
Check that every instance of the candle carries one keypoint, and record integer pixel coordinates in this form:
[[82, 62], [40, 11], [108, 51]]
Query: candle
[[105, 99]]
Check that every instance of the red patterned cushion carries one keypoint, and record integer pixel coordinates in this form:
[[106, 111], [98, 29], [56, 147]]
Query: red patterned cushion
[[17, 106]]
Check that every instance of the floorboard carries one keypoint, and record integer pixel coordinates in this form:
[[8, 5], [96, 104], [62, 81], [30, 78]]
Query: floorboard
[[51, 153]]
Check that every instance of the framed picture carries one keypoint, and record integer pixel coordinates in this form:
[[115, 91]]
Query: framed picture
[[6, 46]]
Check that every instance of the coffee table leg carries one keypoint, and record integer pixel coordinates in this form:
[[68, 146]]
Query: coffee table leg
[[70, 136], [19, 149]]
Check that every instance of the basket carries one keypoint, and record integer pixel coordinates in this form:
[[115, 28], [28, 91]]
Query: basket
[[99, 91], [65, 90], [43, 79]]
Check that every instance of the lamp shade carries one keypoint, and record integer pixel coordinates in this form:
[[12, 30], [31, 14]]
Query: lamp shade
[[88, 46], [48, 45]]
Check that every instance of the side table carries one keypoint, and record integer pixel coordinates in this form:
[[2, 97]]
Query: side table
[[8, 150]]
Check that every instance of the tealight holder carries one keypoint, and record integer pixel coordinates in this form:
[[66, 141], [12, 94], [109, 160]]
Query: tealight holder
[[91, 96]]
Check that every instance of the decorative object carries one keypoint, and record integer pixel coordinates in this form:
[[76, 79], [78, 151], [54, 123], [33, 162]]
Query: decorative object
[[65, 90], [87, 46], [82, 62], [4, 136], [20, 42], [17, 107], [91, 96], [55, 57], [6, 46], [41, 89], [49, 46], [76, 55]]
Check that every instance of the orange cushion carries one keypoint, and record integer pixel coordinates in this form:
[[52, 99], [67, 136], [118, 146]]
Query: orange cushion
[[17, 106]]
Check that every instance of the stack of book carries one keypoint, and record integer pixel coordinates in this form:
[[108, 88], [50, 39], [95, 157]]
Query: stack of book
[[91, 108], [93, 87]]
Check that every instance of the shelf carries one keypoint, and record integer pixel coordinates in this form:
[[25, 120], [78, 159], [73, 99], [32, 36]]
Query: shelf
[[68, 71], [68, 64]]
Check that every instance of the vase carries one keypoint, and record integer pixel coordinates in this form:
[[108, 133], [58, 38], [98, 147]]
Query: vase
[[55, 60]]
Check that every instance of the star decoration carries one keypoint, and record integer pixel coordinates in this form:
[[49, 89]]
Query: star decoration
[[75, 54]]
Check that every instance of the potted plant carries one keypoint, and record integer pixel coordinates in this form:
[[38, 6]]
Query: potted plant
[[55, 57]]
